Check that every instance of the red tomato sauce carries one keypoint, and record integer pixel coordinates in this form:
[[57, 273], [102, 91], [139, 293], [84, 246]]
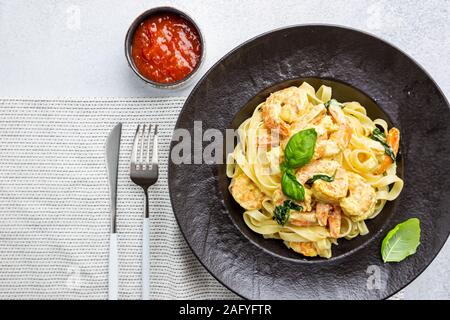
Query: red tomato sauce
[[166, 48]]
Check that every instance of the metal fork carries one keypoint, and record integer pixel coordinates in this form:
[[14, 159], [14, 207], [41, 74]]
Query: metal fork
[[145, 173]]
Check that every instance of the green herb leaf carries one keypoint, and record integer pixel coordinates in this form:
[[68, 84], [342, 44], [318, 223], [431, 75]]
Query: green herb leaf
[[291, 187], [282, 212], [389, 152], [285, 168], [323, 177], [402, 241], [300, 148], [333, 102], [380, 136]]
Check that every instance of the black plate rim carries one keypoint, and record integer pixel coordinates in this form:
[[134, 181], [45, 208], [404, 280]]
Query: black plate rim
[[238, 47]]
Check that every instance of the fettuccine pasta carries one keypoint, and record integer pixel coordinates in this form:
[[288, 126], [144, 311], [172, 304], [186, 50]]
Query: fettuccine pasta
[[349, 175]]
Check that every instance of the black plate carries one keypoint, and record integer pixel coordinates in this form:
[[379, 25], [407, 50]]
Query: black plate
[[359, 67]]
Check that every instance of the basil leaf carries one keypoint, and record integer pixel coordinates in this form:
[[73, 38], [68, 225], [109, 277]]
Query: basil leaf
[[380, 136], [285, 168], [291, 187], [282, 212], [402, 241], [300, 148], [323, 177], [333, 102]]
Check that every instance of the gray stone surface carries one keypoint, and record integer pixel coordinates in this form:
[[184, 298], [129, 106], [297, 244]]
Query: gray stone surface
[[75, 48]]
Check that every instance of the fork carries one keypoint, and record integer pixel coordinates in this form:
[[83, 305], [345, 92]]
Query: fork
[[145, 173]]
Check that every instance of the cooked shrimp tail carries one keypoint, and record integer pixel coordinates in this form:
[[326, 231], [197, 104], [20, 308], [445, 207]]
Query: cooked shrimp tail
[[334, 222], [322, 212]]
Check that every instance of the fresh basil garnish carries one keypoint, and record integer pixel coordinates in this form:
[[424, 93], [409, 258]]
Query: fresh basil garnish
[[333, 102], [402, 241], [282, 212], [285, 168], [323, 177], [298, 152], [300, 148], [380, 136], [291, 187]]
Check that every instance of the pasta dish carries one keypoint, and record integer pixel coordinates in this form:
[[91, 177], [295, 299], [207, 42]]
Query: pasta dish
[[309, 170]]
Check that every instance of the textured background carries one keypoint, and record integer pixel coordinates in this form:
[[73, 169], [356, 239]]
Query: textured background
[[75, 48]]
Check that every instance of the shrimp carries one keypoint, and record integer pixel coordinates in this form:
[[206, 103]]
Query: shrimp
[[331, 192], [344, 133], [393, 141], [334, 221], [281, 108], [319, 166], [322, 212], [303, 219], [297, 218], [360, 203], [246, 193], [311, 119], [328, 192], [326, 148], [327, 124], [305, 248], [340, 135], [278, 198], [326, 213]]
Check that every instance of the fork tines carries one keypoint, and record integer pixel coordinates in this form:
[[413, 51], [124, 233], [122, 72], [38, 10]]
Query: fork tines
[[141, 145]]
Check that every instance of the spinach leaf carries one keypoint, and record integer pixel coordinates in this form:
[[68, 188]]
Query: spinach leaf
[[300, 148], [291, 187], [282, 212], [333, 102], [389, 152], [380, 136], [401, 241], [323, 177]]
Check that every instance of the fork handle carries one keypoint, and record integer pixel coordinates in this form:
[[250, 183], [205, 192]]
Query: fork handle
[[146, 259], [113, 272]]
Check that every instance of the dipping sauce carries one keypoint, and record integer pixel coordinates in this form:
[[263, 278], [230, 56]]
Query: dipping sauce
[[166, 48]]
